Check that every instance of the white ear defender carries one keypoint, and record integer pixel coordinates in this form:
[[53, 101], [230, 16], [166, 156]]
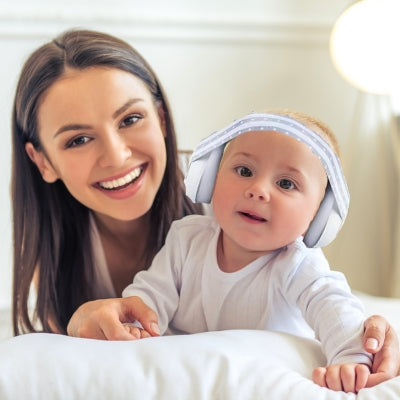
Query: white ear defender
[[204, 164]]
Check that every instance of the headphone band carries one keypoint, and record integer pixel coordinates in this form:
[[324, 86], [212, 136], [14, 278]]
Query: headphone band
[[289, 126]]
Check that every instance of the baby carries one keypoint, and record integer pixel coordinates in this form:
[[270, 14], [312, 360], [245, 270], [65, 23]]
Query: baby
[[278, 194]]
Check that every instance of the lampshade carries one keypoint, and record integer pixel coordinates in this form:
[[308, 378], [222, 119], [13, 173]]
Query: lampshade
[[365, 45]]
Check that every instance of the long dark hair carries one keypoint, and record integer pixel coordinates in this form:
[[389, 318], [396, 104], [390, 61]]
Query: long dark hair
[[51, 228]]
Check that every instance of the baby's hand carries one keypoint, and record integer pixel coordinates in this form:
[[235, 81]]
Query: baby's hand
[[342, 377]]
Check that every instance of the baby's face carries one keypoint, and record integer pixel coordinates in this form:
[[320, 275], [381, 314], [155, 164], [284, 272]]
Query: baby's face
[[268, 189]]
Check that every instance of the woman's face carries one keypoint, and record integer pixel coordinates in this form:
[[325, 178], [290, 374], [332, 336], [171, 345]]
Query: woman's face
[[103, 136]]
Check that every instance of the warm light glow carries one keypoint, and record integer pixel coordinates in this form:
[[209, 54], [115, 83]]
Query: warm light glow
[[365, 45]]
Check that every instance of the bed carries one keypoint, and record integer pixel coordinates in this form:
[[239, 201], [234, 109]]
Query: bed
[[236, 364]]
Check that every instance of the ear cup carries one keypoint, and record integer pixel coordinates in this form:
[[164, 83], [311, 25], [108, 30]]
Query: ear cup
[[201, 176], [326, 223]]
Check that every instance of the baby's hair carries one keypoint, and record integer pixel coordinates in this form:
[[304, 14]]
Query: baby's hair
[[312, 123]]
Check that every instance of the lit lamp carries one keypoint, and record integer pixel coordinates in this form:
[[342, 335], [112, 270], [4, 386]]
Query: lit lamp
[[365, 45]]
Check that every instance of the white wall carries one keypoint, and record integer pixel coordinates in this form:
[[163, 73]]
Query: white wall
[[217, 60]]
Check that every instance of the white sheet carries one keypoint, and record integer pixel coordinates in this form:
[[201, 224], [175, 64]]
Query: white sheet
[[243, 365]]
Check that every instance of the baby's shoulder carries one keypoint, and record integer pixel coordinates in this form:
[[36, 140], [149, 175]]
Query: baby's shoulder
[[195, 223], [298, 255]]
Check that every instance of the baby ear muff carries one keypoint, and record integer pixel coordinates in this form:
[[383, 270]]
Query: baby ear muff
[[204, 165], [201, 176], [326, 223]]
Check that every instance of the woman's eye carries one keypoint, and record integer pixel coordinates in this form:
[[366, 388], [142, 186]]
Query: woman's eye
[[244, 171], [286, 184], [130, 120], [78, 141]]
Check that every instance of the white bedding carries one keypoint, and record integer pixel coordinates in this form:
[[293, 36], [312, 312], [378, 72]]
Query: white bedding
[[215, 365]]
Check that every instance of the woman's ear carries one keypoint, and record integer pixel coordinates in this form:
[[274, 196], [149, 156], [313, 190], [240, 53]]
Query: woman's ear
[[42, 163]]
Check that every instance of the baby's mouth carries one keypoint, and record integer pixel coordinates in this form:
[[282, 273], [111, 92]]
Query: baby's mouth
[[122, 182], [253, 216]]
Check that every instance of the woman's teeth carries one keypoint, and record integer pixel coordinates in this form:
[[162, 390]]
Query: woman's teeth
[[123, 181]]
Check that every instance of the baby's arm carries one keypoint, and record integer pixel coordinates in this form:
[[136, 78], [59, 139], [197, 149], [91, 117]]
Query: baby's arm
[[337, 317], [348, 377]]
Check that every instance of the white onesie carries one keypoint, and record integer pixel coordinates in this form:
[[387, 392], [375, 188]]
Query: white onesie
[[291, 290]]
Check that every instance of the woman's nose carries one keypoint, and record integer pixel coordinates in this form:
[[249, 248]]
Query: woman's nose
[[115, 151], [258, 191]]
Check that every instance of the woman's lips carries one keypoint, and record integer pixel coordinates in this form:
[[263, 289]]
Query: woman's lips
[[123, 181]]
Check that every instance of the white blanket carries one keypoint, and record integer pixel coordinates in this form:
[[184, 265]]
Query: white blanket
[[237, 364]]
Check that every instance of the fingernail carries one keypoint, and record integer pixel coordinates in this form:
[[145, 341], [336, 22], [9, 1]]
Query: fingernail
[[155, 328], [372, 343]]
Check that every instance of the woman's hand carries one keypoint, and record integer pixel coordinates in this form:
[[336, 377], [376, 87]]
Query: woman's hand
[[112, 319], [381, 340]]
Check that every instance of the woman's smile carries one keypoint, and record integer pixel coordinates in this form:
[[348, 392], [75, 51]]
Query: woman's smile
[[125, 187], [123, 181]]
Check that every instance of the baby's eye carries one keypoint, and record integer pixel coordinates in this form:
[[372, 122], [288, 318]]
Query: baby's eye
[[78, 141], [286, 184], [244, 171], [130, 120]]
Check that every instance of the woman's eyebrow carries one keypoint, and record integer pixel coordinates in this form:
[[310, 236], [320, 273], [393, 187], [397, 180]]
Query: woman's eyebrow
[[77, 127], [126, 106], [71, 127]]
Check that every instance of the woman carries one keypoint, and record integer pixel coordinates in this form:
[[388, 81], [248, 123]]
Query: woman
[[55, 224], [96, 183]]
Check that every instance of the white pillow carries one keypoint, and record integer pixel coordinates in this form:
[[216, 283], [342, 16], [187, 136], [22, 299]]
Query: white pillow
[[237, 364]]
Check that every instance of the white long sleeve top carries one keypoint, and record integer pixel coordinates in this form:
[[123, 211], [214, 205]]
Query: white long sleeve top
[[291, 290]]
